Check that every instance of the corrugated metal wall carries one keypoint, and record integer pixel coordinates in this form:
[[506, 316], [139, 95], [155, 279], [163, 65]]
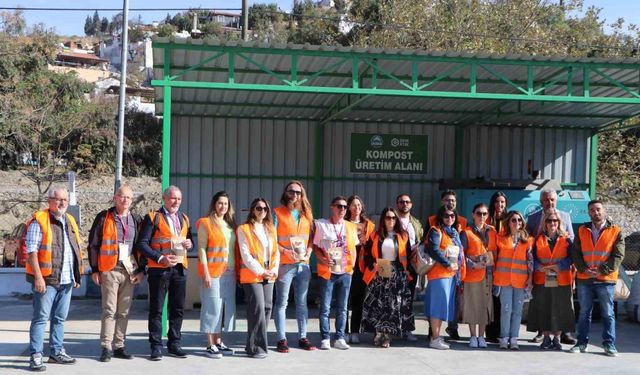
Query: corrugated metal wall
[[251, 158]]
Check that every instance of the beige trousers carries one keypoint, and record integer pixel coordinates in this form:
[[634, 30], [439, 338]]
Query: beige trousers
[[117, 293]]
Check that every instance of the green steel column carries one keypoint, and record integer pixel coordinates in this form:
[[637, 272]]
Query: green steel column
[[318, 181], [166, 149], [593, 165]]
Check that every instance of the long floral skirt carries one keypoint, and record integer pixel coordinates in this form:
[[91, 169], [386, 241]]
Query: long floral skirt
[[387, 305]]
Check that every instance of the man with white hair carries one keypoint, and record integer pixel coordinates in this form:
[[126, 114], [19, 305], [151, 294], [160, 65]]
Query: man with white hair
[[54, 267]]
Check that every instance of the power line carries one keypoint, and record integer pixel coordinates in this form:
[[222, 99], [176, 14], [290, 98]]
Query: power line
[[111, 9]]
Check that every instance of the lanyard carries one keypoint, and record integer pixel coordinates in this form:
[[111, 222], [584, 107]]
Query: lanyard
[[338, 235], [125, 227]]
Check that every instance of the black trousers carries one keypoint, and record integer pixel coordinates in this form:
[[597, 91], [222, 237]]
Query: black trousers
[[493, 328], [356, 300], [162, 281], [259, 299]]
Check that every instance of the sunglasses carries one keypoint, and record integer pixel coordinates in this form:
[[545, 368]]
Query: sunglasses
[[404, 202], [390, 218], [517, 220], [484, 213], [448, 216], [261, 208], [552, 221], [294, 192], [341, 206]]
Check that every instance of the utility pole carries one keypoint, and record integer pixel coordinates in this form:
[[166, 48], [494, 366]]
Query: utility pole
[[245, 20], [124, 54]]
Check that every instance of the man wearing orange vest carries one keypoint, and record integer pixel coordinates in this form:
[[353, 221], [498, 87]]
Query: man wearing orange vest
[[111, 239], [164, 238], [54, 267], [597, 252], [448, 198], [334, 243], [293, 219]]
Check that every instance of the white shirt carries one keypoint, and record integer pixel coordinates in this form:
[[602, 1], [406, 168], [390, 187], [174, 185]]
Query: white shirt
[[389, 247], [267, 246], [329, 235], [406, 225]]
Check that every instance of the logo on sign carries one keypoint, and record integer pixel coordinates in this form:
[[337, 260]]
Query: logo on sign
[[376, 141], [399, 142]]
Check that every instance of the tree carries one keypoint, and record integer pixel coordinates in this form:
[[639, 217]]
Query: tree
[[88, 27], [166, 29], [104, 25], [13, 23]]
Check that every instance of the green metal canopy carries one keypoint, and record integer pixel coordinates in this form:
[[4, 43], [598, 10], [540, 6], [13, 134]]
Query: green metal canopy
[[331, 84]]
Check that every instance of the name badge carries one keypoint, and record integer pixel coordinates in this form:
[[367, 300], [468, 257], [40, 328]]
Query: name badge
[[123, 251]]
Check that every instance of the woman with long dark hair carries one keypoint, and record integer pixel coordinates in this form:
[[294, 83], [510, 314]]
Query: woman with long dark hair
[[498, 207]]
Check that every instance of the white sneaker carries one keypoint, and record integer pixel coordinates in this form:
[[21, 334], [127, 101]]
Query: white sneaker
[[513, 343], [473, 342], [504, 343], [325, 344], [482, 343], [340, 344], [409, 336], [438, 344], [355, 338]]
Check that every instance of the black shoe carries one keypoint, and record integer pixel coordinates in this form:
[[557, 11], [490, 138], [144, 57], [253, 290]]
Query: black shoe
[[61, 358], [122, 353], [453, 333], [177, 352], [568, 338], [106, 354], [156, 354], [538, 338]]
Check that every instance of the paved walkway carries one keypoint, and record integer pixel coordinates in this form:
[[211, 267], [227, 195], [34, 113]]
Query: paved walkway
[[82, 342]]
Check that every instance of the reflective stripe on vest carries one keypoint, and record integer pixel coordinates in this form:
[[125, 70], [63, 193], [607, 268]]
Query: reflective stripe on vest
[[45, 255], [217, 249], [161, 240], [257, 252], [438, 271], [288, 228], [596, 254], [109, 246], [546, 257], [369, 275], [351, 231], [476, 248], [368, 233], [511, 266]]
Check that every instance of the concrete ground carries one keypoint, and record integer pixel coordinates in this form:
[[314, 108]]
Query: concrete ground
[[82, 342]]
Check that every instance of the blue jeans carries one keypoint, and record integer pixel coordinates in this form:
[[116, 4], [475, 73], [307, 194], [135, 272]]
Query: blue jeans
[[604, 292], [228, 286], [341, 283], [52, 304], [511, 302], [299, 275]]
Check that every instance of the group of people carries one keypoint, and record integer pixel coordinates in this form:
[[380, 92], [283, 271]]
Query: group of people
[[482, 271]]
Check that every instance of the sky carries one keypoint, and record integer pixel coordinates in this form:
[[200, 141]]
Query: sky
[[72, 23]]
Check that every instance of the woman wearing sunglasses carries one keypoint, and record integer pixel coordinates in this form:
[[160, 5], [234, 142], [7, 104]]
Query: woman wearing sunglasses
[[479, 243], [498, 206], [443, 245], [551, 310], [387, 308], [260, 259], [513, 270]]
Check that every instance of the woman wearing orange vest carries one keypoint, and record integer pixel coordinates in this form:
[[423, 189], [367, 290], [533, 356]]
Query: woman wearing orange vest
[[357, 215], [259, 262], [497, 211], [387, 310], [551, 309], [292, 220], [512, 277], [443, 245], [334, 243], [216, 241], [479, 244]]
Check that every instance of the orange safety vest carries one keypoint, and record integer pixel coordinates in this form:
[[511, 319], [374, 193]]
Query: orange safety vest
[[369, 275], [217, 249], [351, 230], [369, 230], [45, 255], [462, 222], [161, 240], [438, 271], [109, 245], [288, 228], [511, 266], [548, 257], [476, 248], [596, 254], [257, 252]]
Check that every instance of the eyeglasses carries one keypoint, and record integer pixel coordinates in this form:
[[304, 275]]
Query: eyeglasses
[[552, 221], [294, 192], [482, 213], [340, 206], [261, 208], [448, 216], [59, 199], [404, 202], [390, 218], [517, 220]]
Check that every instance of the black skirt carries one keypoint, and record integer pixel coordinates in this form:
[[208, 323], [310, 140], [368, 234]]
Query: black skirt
[[551, 309]]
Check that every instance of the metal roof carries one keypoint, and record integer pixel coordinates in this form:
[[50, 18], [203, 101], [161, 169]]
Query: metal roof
[[327, 83]]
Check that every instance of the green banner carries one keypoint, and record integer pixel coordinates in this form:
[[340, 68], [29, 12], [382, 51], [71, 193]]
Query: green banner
[[388, 153]]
